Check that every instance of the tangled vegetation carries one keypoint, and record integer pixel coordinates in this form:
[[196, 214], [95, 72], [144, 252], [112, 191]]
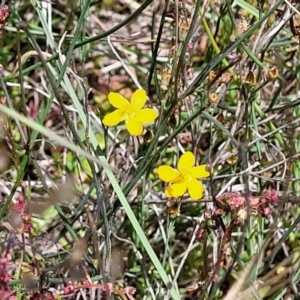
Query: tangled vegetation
[[149, 149]]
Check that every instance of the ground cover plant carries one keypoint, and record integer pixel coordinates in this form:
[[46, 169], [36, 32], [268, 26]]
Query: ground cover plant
[[149, 149]]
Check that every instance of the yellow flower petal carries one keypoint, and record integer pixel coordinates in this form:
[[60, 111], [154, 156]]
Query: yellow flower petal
[[167, 173], [199, 172], [113, 118], [133, 126], [146, 115], [117, 100], [195, 189], [138, 99], [176, 189], [186, 161]]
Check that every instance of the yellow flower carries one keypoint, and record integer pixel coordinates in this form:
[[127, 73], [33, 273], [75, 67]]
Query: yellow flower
[[132, 112], [185, 178]]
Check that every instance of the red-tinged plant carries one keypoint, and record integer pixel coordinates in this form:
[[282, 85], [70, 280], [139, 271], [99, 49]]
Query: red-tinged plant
[[263, 205], [5, 290], [3, 13], [3, 16], [18, 216], [42, 296], [129, 291]]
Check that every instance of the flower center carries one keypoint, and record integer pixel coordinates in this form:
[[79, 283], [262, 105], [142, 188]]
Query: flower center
[[129, 111], [185, 175]]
